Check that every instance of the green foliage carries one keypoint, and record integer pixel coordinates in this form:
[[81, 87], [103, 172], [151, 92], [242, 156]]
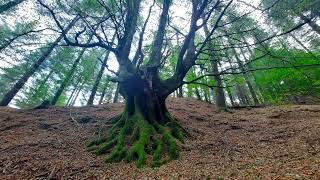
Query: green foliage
[[279, 84], [44, 84], [284, 13]]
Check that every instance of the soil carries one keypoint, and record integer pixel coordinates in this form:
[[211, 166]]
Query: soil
[[248, 143]]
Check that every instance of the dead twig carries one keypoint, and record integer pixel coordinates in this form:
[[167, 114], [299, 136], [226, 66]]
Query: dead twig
[[42, 174], [75, 172], [72, 118], [52, 174]]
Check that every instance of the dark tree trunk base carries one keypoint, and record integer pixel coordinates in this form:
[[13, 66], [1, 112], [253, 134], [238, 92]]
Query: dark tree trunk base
[[134, 137]]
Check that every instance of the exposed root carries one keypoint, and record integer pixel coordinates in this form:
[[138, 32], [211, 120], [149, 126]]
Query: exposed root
[[135, 138]]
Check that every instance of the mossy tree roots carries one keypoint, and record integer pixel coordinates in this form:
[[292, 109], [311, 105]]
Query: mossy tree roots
[[144, 132]]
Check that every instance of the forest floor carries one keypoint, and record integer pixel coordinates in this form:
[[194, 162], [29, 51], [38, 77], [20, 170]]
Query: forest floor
[[251, 143]]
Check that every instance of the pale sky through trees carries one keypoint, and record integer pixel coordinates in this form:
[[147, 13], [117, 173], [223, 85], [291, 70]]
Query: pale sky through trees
[[26, 12]]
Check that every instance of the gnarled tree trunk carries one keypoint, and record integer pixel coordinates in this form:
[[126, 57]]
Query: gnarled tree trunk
[[144, 128]]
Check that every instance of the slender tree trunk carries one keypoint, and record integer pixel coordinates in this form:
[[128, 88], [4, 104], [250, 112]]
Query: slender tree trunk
[[244, 100], [197, 92], [205, 94], [35, 66], [250, 86], [255, 95], [73, 91], [46, 78], [77, 94], [39, 95], [189, 91], [250, 67], [212, 96], [220, 96], [209, 94], [239, 91], [251, 90], [98, 79], [103, 93], [230, 97], [180, 92], [116, 94], [109, 99], [242, 69], [99, 76], [67, 78], [10, 5]]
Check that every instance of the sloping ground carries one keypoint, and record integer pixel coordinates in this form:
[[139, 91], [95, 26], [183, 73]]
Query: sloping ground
[[268, 143]]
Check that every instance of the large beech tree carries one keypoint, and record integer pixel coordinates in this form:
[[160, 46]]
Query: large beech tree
[[145, 126]]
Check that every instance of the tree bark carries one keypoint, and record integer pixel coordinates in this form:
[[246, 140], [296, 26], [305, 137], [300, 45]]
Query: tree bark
[[34, 67], [180, 92], [116, 94], [220, 96]]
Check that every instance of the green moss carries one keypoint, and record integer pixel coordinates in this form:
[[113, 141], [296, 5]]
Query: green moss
[[92, 148], [138, 148], [157, 154], [176, 130], [135, 138], [118, 152], [170, 141], [116, 119], [103, 148], [172, 145], [96, 142]]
